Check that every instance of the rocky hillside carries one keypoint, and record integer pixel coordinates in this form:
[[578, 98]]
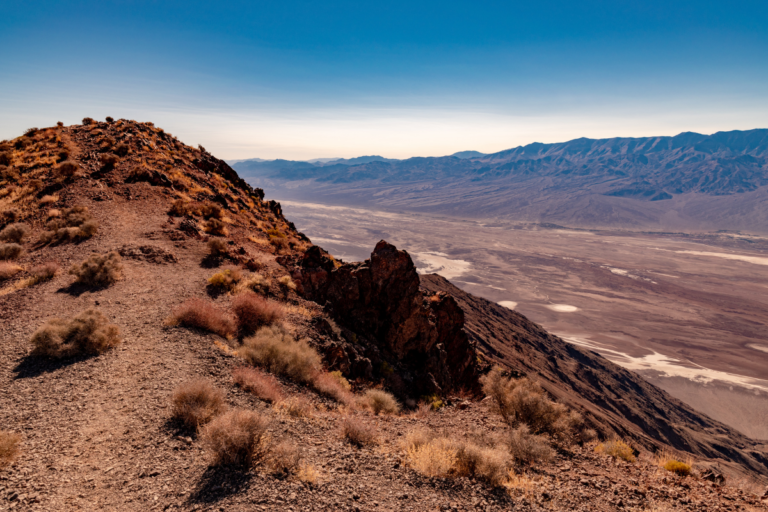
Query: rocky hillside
[[171, 342], [689, 181]]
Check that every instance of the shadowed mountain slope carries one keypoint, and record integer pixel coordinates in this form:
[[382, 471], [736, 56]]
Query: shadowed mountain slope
[[619, 401]]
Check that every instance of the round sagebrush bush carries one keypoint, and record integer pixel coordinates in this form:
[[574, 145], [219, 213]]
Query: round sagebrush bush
[[253, 311], [197, 402], [14, 233], [235, 437], [66, 169], [99, 270], [381, 402], [87, 333], [216, 227], [217, 247], [10, 251], [278, 352]]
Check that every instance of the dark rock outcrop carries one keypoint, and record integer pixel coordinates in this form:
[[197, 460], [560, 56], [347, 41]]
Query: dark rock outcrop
[[418, 336]]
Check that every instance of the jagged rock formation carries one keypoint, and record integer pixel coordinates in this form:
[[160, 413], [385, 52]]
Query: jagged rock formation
[[618, 401], [379, 300]]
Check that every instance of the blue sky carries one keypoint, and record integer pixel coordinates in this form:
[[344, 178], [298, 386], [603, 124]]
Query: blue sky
[[340, 79]]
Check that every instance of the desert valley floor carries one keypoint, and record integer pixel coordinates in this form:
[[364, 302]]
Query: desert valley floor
[[687, 311]]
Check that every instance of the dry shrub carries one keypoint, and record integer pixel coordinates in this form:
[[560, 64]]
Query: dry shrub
[[8, 270], [277, 351], [44, 272], [280, 244], [87, 333], [9, 447], [122, 149], [253, 311], [524, 402], [99, 270], [235, 437], [197, 402], [14, 233], [202, 314], [215, 227], [528, 448], [10, 251], [217, 247], [72, 224], [284, 458], [6, 158], [66, 169], [307, 473], [211, 211], [53, 213], [433, 458], [262, 385], [380, 401], [296, 407], [486, 463], [256, 283], [617, 449], [521, 484], [677, 467], [358, 432], [286, 283], [333, 386], [179, 208], [48, 199], [108, 160], [88, 120], [226, 279], [109, 119]]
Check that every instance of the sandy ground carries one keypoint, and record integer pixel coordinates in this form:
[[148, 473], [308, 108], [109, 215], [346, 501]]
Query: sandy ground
[[689, 312]]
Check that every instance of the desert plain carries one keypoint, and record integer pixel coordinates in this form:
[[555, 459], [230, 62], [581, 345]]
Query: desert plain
[[688, 311]]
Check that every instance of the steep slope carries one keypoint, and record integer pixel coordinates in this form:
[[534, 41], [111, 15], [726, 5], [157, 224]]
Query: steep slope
[[690, 181], [620, 401]]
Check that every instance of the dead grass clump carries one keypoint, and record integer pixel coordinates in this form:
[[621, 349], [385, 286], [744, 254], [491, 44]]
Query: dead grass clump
[[88, 333], [256, 283], [14, 233], [8, 270], [253, 311], [9, 447], [677, 467], [215, 227], [307, 473], [381, 402], [48, 199], [197, 402], [66, 169], [180, 208], [261, 384], [10, 251], [202, 314], [226, 279], [524, 402], [284, 459], [521, 484], [528, 448], [333, 386], [44, 272], [108, 160], [674, 463], [432, 457], [235, 437], [286, 283], [296, 407], [358, 432], [99, 270], [217, 247], [211, 211], [72, 224], [277, 351], [617, 449], [88, 120], [486, 463]]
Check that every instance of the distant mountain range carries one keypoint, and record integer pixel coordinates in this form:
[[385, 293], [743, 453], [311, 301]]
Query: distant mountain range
[[689, 181]]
